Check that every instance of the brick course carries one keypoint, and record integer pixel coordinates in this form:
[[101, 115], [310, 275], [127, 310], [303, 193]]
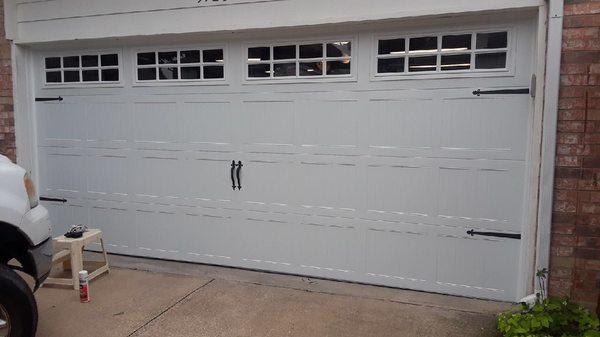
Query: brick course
[[7, 121], [575, 244]]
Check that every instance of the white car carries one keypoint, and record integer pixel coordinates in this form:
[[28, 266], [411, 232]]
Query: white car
[[25, 237]]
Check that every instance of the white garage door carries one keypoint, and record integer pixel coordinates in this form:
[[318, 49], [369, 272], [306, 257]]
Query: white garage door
[[365, 156]]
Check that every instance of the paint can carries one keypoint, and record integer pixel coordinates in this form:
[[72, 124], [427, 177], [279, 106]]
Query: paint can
[[84, 287]]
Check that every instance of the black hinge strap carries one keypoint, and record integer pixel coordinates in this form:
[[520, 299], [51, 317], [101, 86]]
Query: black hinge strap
[[53, 199], [47, 99], [496, 234], [480, 92]]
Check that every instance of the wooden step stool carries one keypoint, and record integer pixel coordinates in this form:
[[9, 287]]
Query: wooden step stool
[[69, 252]]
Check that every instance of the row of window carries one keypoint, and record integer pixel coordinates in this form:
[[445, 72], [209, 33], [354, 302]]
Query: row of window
[[395, 55]]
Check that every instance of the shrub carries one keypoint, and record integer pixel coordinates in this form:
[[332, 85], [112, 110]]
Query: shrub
[[549, 318]]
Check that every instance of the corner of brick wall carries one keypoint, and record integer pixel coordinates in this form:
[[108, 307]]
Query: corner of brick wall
[[575, 246], [7, 121]]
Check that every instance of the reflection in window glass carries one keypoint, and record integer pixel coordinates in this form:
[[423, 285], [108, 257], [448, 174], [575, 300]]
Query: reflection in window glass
[[393, 46], [110, 75], [213, 72], [427, 63], [71, 75], [456, 62], [308, 51], [339, 49], [53, 77], [189, 56], [456, 42], [109, 60], [167, 73], [492, 40], [284, 69], [259, 54], [190, 73], [213, 55], [490, 61], [259, 70], [168, 57], [90, 75], [145, 74], [423, 44], [338, 67], [52, 62], [284, 53], [391, 65], [311, 68], [71, 61], [89, 60], [146, 58]]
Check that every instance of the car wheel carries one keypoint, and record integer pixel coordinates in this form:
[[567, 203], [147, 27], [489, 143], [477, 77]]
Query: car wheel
[[18, 309]]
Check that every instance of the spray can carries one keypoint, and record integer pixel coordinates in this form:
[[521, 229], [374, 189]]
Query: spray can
[[84, 287]]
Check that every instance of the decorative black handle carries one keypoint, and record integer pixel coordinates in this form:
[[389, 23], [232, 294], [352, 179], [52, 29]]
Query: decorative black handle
[[238, 174], [472, 232], [480, 92], [53, 199], [232, 178], [46, 99]]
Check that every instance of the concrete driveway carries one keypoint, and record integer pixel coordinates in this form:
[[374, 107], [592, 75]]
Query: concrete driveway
[[158, 298]]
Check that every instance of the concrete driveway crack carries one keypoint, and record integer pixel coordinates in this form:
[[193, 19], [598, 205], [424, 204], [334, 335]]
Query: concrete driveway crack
[[170, 307]]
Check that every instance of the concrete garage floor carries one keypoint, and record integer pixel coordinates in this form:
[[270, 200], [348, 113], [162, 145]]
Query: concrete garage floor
[[142, 297]]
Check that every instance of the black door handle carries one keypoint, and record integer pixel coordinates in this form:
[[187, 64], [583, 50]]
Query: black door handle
[[238, 175], [232, 177]]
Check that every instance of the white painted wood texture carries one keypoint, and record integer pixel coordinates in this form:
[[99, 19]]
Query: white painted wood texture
[[368, 181], [57, 20]]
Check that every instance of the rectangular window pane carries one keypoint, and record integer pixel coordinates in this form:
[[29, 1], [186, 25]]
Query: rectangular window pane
[[146, 58], [456, 42], [213, 72], [338, 67], [145, 74], [71, 75], [109, 60], [492, 40], [89, 60], [427, 63], [259, 54], [212, 55], [392, 65], [490, 61], [259, 70], [311, 68], [339, 49], [423, 44], [456, 62], [167, 73], [52, 62], [90, 75], [284, 53], [190, 73], [110, 75], [393, 46], [71, 61], [168, 57], [53, 77], [189, 56], [308, 51], [284, 69]]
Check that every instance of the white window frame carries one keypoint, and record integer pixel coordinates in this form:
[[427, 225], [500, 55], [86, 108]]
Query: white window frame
[[508, 70], [297, 78], [178, 65], [81, 83]]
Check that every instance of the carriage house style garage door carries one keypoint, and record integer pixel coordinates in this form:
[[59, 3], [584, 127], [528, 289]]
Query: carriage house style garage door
[[353, 155]]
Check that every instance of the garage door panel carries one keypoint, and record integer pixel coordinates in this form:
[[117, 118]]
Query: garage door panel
[[267, 123], [327, 123], [207, 177], [108, 174], [61, 124], [268, 181], [400, 253], [64, 215], [208, 123], [108, 124], [61, 172], [156, 123], [401, 124], [478, 265], [493, 127], [154, 175], [116, 221], [207, 235], [329, 185]]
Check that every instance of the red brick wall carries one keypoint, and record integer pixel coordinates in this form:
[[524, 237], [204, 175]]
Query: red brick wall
[[7, 121], [575, 247]]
